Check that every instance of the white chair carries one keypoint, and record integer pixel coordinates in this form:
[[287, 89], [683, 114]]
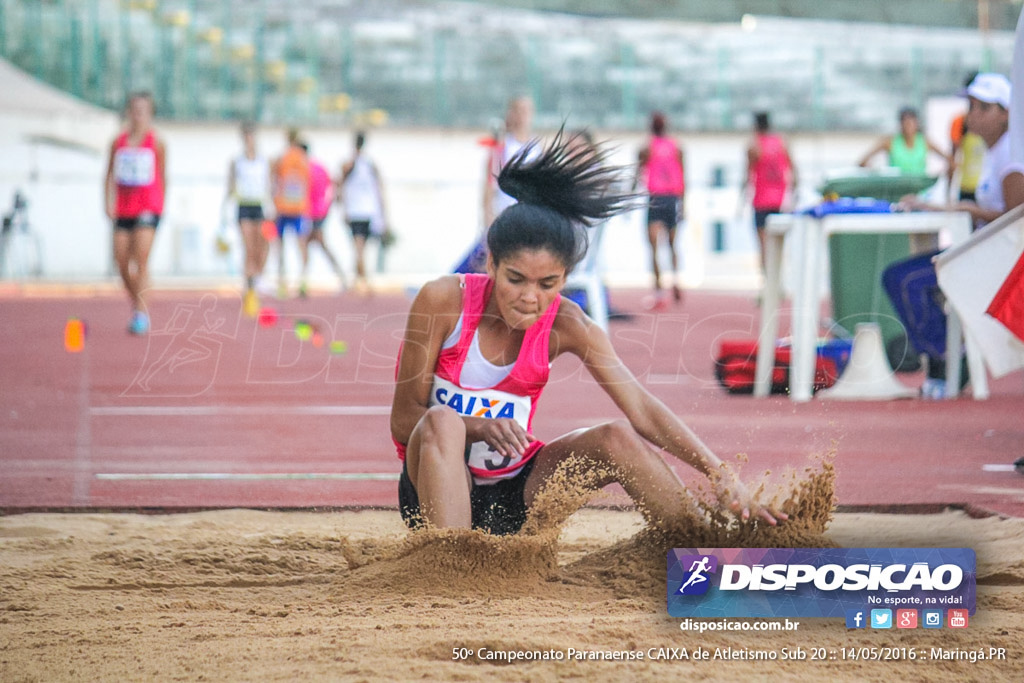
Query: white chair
[[587, 278]]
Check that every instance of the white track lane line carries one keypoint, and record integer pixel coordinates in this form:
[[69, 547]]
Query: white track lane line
[[201, 411], [242, 476], [998, 468]]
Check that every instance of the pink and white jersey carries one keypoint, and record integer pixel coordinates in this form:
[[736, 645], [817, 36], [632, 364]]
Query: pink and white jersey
[[139, 186], [319, 191], [663, 173], [771, 173], [515, 396]]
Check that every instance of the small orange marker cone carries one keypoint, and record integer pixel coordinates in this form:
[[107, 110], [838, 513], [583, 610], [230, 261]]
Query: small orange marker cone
[[74, 335], [269, 230]]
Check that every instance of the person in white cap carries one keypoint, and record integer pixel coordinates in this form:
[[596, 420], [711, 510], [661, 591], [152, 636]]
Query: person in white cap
[[1001, 186]]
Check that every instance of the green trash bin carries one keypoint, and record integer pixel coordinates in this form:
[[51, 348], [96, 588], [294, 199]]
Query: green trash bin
[[857, 261]]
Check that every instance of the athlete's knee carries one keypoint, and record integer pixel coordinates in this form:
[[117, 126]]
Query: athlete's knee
[[618, 439], [123, 260], [441, 423]]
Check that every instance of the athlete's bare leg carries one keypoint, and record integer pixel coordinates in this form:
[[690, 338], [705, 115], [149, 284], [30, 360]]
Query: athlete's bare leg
[[654, 231], [359, 243], [255, 247], [677, 293], [142, 244], [613, 452], [435, 460]]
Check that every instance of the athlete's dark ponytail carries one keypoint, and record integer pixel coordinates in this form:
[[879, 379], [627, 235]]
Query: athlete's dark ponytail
[[560, 191]]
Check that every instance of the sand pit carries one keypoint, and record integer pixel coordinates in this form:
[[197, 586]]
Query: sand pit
[[247, 595]]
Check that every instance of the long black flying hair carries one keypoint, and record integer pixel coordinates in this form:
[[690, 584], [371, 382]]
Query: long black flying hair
[[562, 191]]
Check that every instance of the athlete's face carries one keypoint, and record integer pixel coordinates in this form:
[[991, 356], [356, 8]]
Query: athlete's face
[[140, 112], [525, 284], [909, 125], [987, 119], [519, 117]]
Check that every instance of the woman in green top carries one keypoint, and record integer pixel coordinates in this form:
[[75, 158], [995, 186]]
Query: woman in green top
[[908, 151]]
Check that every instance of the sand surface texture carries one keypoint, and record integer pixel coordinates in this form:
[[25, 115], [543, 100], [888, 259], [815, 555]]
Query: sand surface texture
[[249, 595]]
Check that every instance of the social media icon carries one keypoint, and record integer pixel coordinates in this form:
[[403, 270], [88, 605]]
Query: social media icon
[[906, 618], [881, 618], [931, 618], [856, 618], [957, 618]]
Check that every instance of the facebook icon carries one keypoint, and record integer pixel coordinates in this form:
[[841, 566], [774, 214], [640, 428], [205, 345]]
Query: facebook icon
[[855, 618]]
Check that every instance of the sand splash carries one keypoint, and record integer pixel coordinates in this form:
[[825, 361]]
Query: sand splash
[[459, 562]]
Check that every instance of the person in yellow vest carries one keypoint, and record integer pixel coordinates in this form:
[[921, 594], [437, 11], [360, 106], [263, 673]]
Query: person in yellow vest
[[969, 152], [291, 199]]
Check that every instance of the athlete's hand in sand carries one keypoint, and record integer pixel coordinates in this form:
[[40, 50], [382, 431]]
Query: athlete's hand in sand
[[733, 493], [504, 435]]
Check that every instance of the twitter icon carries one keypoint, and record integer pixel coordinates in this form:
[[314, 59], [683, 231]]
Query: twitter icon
[[881, 618]]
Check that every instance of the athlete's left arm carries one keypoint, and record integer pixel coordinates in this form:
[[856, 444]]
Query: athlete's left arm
[[681, 158], [950, 159], [380, 195], [576, 333], [793, 178], [161, 163], [1013, 189]]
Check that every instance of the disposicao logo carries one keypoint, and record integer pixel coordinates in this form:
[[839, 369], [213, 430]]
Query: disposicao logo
[[819, 582], [697, 581]]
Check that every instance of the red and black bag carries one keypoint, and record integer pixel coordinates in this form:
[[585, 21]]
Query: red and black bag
[[737, 362]]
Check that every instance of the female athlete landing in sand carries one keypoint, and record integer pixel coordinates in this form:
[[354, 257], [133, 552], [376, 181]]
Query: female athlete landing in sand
[[475, 359]]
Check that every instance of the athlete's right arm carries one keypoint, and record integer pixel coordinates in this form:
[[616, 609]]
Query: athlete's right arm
[[431, 319], [881, 146], [109, 190], [231, 180], [488, 195], [641, 162]]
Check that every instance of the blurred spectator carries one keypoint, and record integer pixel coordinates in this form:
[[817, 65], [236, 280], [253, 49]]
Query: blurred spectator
[[661, 171], [362, 193], [770, 172], [321, 194], [134, 191], [908, 150], [249, 188]]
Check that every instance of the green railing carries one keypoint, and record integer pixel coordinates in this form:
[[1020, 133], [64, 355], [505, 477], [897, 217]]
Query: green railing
[[324, 63]]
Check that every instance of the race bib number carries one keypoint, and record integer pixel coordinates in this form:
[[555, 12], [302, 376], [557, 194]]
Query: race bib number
[[486, 403], [293, 189], [134, 166]]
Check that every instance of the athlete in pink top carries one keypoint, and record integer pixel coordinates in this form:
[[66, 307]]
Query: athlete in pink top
[[771, 173], [321, 195], [475, 358], [134, 197], [661, 169]]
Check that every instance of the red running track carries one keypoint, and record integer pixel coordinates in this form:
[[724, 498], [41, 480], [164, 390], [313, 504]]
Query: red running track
[[211, 410]]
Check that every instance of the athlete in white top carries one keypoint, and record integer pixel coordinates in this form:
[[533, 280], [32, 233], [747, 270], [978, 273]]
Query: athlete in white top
[[518, 132], [362, 193], [249, 187]]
